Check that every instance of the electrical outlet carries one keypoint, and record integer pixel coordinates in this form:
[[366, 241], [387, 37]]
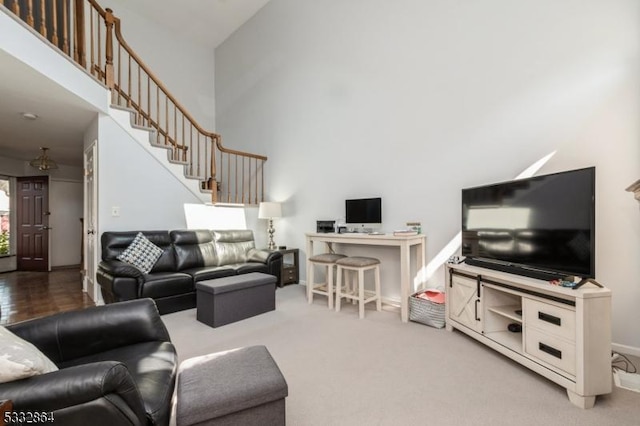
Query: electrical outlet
[[115, 211]]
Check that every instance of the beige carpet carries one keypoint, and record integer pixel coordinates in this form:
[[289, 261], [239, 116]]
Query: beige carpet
[[379, 371]]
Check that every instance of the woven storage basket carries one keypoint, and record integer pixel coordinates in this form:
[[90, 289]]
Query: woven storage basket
[[426, 312]]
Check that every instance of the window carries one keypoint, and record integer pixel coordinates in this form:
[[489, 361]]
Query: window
[[5, 211]]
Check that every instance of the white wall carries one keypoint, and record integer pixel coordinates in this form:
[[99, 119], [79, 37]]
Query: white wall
[[413, 100], [186, 69], [148, 196], [65, 205]]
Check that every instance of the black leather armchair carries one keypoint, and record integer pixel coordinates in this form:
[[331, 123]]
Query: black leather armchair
[[117, 366]]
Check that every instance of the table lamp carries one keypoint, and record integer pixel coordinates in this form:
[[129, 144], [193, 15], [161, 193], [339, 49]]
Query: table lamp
[[270, 210]]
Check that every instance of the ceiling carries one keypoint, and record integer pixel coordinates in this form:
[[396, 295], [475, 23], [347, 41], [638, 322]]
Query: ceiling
[[63, 117], [207, 22]]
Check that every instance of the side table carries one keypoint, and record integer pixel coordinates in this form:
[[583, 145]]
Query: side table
[[290, 273]]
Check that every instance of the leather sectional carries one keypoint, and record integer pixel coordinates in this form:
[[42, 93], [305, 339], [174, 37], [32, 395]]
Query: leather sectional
[[189, 256]]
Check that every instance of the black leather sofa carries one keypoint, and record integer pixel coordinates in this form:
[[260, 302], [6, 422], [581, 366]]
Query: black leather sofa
[[188, 256], [117, 366]]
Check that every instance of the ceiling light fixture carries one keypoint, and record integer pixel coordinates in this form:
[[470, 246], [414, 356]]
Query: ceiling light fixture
[[29, 116], [43, 162]]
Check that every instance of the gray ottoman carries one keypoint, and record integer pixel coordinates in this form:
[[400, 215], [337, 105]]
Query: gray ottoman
[[237, 387], [225, 300]]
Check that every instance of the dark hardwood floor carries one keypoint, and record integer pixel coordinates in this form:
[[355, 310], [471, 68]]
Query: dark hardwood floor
[[25, 295]]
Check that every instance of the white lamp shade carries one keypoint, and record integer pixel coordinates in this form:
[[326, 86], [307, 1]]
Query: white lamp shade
[[269, 210]]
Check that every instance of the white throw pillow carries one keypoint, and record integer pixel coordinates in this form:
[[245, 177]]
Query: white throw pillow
[[20, 359], [141, 253]]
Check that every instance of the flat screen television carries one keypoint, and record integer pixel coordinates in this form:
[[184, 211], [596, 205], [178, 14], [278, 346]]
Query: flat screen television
[[541, 227], [364, 211]]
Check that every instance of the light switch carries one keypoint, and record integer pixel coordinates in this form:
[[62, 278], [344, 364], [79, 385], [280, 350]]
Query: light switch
[[115, 211]]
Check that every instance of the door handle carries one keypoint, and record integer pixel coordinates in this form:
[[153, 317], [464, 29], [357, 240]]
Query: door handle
[[46, 228], [91, 232]]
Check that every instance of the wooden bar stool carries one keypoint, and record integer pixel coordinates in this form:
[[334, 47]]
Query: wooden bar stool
[[359, 265], [324, 288]]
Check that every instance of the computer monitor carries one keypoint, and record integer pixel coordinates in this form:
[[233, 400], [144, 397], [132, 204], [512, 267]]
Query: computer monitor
[[364, 212]]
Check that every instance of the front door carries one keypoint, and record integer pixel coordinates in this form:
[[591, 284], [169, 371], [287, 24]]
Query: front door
[[90, 221], [32, 195]]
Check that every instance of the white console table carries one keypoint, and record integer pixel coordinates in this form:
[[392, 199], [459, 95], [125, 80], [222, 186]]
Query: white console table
[[404, 243]]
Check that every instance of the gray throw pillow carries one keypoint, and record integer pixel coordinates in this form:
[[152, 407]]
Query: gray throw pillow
[[141, 253]]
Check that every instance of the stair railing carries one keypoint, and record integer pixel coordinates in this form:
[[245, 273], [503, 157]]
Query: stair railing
[[232, 176]]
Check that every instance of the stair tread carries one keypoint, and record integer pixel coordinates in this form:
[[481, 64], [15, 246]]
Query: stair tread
[[160, 145], [141, 127], [182, 163]]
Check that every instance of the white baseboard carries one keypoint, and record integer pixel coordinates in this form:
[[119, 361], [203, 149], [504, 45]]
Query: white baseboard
[[391, 301], [625, 349]]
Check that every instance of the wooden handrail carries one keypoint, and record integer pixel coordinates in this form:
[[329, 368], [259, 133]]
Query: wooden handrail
[[138, 86], [234, 152]]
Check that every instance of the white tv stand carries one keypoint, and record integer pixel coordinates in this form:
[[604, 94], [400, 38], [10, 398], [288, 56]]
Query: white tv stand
[[566, 333]]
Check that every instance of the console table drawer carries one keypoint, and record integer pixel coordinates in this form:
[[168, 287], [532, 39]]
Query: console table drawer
[[552, 350], [550, 318]]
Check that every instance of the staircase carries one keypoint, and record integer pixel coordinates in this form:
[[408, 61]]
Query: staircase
[[91, 36]]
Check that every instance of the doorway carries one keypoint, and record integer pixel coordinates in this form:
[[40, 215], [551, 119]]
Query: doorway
[[90, 255], [32, 246], [5, 216]]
